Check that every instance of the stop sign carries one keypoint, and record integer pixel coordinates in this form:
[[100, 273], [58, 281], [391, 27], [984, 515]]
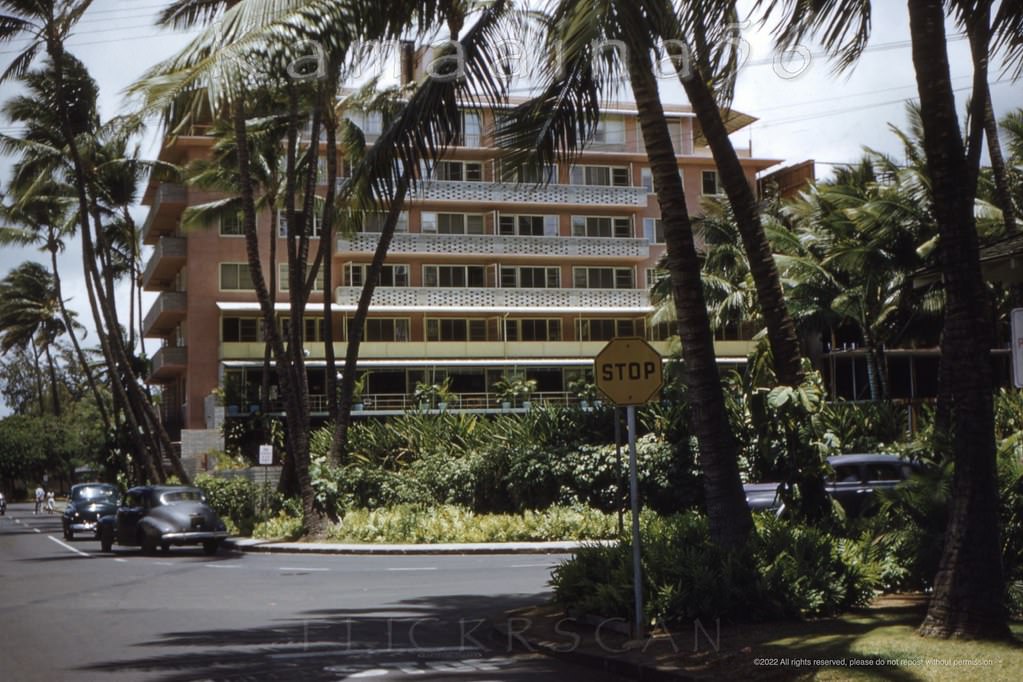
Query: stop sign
[[628, 371]]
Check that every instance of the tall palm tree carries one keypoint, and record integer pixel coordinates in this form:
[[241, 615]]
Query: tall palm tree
[[30, 318], [39, 215], [968, 593], [68, 98], [555, 126]]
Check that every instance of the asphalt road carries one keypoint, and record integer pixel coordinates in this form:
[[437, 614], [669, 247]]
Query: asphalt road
[[69, 612]]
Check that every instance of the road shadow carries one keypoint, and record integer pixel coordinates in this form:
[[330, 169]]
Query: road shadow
[[428, 638]]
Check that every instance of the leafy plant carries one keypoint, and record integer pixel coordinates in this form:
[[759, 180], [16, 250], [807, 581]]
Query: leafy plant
[[514, 389]]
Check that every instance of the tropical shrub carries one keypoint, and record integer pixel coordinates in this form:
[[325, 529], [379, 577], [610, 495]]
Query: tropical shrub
[[786, 570], [239, 501]]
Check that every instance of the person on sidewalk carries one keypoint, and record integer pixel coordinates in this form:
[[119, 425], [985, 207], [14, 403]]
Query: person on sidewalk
[[39, 498]]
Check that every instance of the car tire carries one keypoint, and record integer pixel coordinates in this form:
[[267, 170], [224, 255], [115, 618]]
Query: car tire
[[210, 547], [149, 543], [68, 533], [165, 547], [106, 539]]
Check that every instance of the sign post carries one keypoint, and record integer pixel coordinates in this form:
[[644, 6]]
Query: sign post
[[266, 460], [1016, 317], [628, 372]]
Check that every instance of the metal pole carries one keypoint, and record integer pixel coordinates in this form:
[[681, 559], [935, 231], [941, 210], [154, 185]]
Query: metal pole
[[618, 463], [637, 572]]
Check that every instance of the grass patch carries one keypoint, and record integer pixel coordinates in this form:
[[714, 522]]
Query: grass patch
[[883, 634]]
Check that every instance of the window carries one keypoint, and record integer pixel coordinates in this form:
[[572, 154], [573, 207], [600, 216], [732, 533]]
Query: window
[[605, 176], [386, 329], [653, 230], [235, 277], [601, 226], [472, 129], [390, 275], [370, 122], [282, 224], [231, 225], [603, 329], [529, 174], [530, 278], [241, 329], [709, 182], [374, 222], [447, 329], [662, 331], [284, 284], [603, 278], [610, 131], [452, 223], [469, 171], [528, 225], [313, 328], [532, 330], [655, 275], [454, 276]]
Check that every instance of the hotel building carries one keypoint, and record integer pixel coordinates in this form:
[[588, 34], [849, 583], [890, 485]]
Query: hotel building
[[484, 278]]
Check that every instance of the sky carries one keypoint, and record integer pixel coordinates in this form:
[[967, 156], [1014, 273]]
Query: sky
[[804, 110]]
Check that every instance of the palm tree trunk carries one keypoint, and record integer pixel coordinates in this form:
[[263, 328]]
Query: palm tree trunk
[[727, 511], [358, 323], [1003, 195], [781, 330], [296, 436], [52, 370], [969, 587], [69, 324]]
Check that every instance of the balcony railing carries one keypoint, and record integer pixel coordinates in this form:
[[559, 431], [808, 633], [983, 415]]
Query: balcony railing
[[168, 362], [501, 245], [168, 202], [522, 193], [463, 402], [166, 261], [491, 299], [168, 309]]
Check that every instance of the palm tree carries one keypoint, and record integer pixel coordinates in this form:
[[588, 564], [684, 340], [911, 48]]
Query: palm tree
[[40, 216], [65, 120], [30, 318], [558, 122], [968, 593]]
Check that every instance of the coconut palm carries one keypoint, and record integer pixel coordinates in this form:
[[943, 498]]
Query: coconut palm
[[556, 124], [968, 593], [30, 318], [39, 215]]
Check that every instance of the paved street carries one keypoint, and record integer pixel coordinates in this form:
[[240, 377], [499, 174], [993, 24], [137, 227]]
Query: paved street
[[69, 612]]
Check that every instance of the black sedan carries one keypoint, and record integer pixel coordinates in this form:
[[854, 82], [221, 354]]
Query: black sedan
[[852, 483], [161, 516], [86, 503]]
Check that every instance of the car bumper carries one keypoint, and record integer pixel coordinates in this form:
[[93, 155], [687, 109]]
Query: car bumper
[[193, 536], [83, 526]]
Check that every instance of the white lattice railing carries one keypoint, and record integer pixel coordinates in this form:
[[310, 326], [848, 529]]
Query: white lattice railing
[[494, 299], [513, 193], [501, 245]]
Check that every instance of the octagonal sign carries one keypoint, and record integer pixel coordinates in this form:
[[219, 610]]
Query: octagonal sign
[[628, 371]]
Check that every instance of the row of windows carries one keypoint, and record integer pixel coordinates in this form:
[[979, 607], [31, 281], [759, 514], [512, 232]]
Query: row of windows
[[250, 329], [238, 277]]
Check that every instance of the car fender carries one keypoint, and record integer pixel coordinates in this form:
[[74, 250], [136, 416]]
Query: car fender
[[154, 526]]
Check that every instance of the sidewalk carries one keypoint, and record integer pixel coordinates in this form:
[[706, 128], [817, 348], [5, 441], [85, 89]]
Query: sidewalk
[[252, 545]]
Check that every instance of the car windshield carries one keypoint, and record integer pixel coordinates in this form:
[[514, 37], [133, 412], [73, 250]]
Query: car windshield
[[182, 496], [95, 493]]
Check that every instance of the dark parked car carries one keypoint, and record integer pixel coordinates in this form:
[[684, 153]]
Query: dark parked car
[[852, 483], [86, 503], [161, 516]]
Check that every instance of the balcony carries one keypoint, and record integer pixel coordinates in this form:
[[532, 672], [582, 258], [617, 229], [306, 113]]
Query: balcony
[[520, 193], [169, 201], [167, 259], [168, 362], [558, 248], [454, 300], [167, 311]]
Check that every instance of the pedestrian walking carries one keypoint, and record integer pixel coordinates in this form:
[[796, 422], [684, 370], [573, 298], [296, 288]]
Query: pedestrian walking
[[50, 506], [39, 498]]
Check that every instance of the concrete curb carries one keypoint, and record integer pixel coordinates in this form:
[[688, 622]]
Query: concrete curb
[[250, 545], [599, 661]]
